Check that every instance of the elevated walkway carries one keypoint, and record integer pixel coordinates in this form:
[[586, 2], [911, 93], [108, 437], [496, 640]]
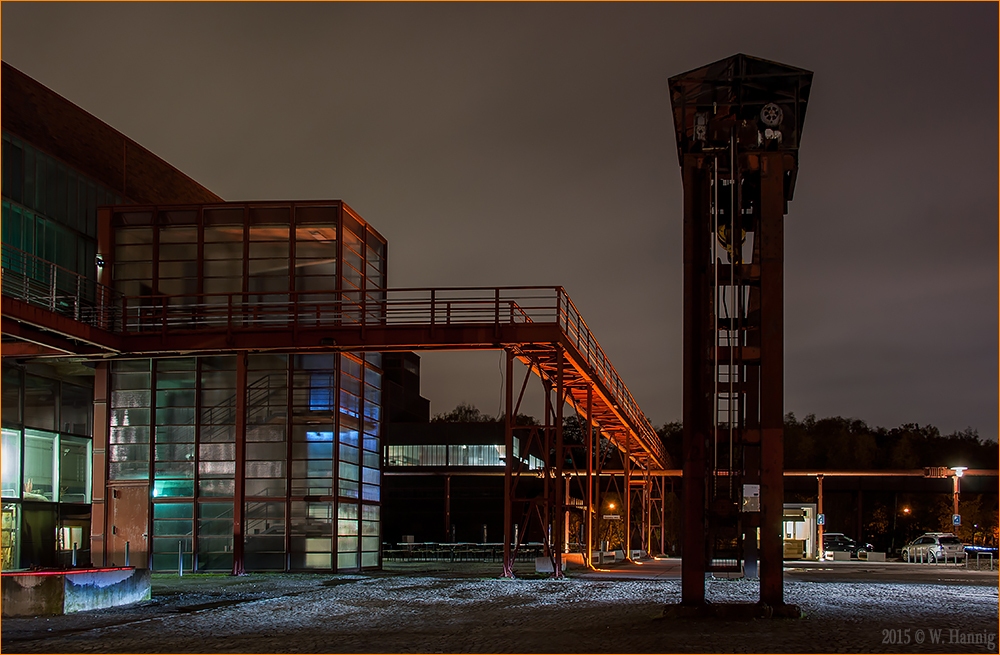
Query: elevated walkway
[[49, 311]]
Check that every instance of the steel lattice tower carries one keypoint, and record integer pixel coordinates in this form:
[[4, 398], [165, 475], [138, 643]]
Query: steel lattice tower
[[738, 124]]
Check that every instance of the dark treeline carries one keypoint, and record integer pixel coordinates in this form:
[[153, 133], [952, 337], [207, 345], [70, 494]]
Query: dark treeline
[[833, 443], [840, 443]]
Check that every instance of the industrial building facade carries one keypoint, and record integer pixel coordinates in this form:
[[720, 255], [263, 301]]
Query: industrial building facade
[[215, 461]]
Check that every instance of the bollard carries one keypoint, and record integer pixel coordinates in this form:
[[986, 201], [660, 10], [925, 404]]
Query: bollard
[[180, 558], [74, 555], [126, 553]]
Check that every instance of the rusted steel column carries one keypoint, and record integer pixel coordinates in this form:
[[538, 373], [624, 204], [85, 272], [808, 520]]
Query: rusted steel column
[[447, 508], [663, 517], [589, 510], [508, 466], [99, 518], [560, 456], [771, 377], [697, 415], [239, 492], [627, 500], [547, 481], [819, 510]]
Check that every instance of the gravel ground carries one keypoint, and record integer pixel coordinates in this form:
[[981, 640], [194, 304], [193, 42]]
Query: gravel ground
[[465, 609]]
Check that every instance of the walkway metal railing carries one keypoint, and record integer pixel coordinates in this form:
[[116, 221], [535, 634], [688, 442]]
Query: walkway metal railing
[[50, 286], [413, 307], [35, 281]]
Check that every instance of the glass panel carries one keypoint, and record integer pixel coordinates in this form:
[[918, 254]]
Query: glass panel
[[348, 471], [179, 234], [265, 487], [218, 488], [132, 235], [174, 452], [11, 389], [75, 407], [123, 417], [227, 251], [313, 214], [40, 402], [10, 479], [216, 469], [180, 488], [265, 469], [129, 462], [74, 470], [173, 528], [217, 452], [222, 234], [130, 435], [370, 493], [173, 511], [224, 216], [269, 215], [266, 450], [349, 454], [40, 465], [134, 397], [10, 536]]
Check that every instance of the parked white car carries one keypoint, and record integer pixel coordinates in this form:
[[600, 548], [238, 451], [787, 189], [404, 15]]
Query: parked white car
[[932, 547]]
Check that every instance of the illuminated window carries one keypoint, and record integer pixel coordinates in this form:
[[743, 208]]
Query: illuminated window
[[11, 462]]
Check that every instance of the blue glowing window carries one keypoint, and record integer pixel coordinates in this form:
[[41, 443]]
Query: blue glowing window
[[321, 392]]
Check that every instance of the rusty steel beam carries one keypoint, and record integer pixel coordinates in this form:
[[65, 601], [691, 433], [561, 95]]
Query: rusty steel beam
[[772, 495], [697, 374], [40, 326], [30, 350], [239, 492], [508, 466], [679, 473]]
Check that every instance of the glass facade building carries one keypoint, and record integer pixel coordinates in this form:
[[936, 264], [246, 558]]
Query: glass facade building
[[49, 214], [289, 479], [221, 460]]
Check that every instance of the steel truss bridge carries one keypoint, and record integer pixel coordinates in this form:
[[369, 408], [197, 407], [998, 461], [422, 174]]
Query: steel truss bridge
[[49, 311]]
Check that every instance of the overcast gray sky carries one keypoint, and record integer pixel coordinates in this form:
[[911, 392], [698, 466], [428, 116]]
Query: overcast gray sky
[[509, 144]]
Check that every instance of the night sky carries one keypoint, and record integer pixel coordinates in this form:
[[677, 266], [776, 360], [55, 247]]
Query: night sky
[[532, 144]]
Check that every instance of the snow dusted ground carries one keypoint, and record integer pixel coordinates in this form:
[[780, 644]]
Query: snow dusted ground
[[465, 611]]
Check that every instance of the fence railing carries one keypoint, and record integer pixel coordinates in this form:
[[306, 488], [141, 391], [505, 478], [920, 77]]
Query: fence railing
[[41, 283], [402, 307]]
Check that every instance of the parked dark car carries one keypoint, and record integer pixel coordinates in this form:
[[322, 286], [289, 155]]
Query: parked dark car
[[839, 542]]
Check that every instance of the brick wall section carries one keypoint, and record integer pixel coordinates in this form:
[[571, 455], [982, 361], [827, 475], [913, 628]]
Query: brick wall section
[[62, 129]]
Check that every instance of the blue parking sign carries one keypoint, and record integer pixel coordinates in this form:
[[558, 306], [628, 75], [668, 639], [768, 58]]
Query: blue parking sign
[[956, 519]]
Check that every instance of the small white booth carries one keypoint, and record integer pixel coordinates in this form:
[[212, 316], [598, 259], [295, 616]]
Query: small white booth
[[799, 531]]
